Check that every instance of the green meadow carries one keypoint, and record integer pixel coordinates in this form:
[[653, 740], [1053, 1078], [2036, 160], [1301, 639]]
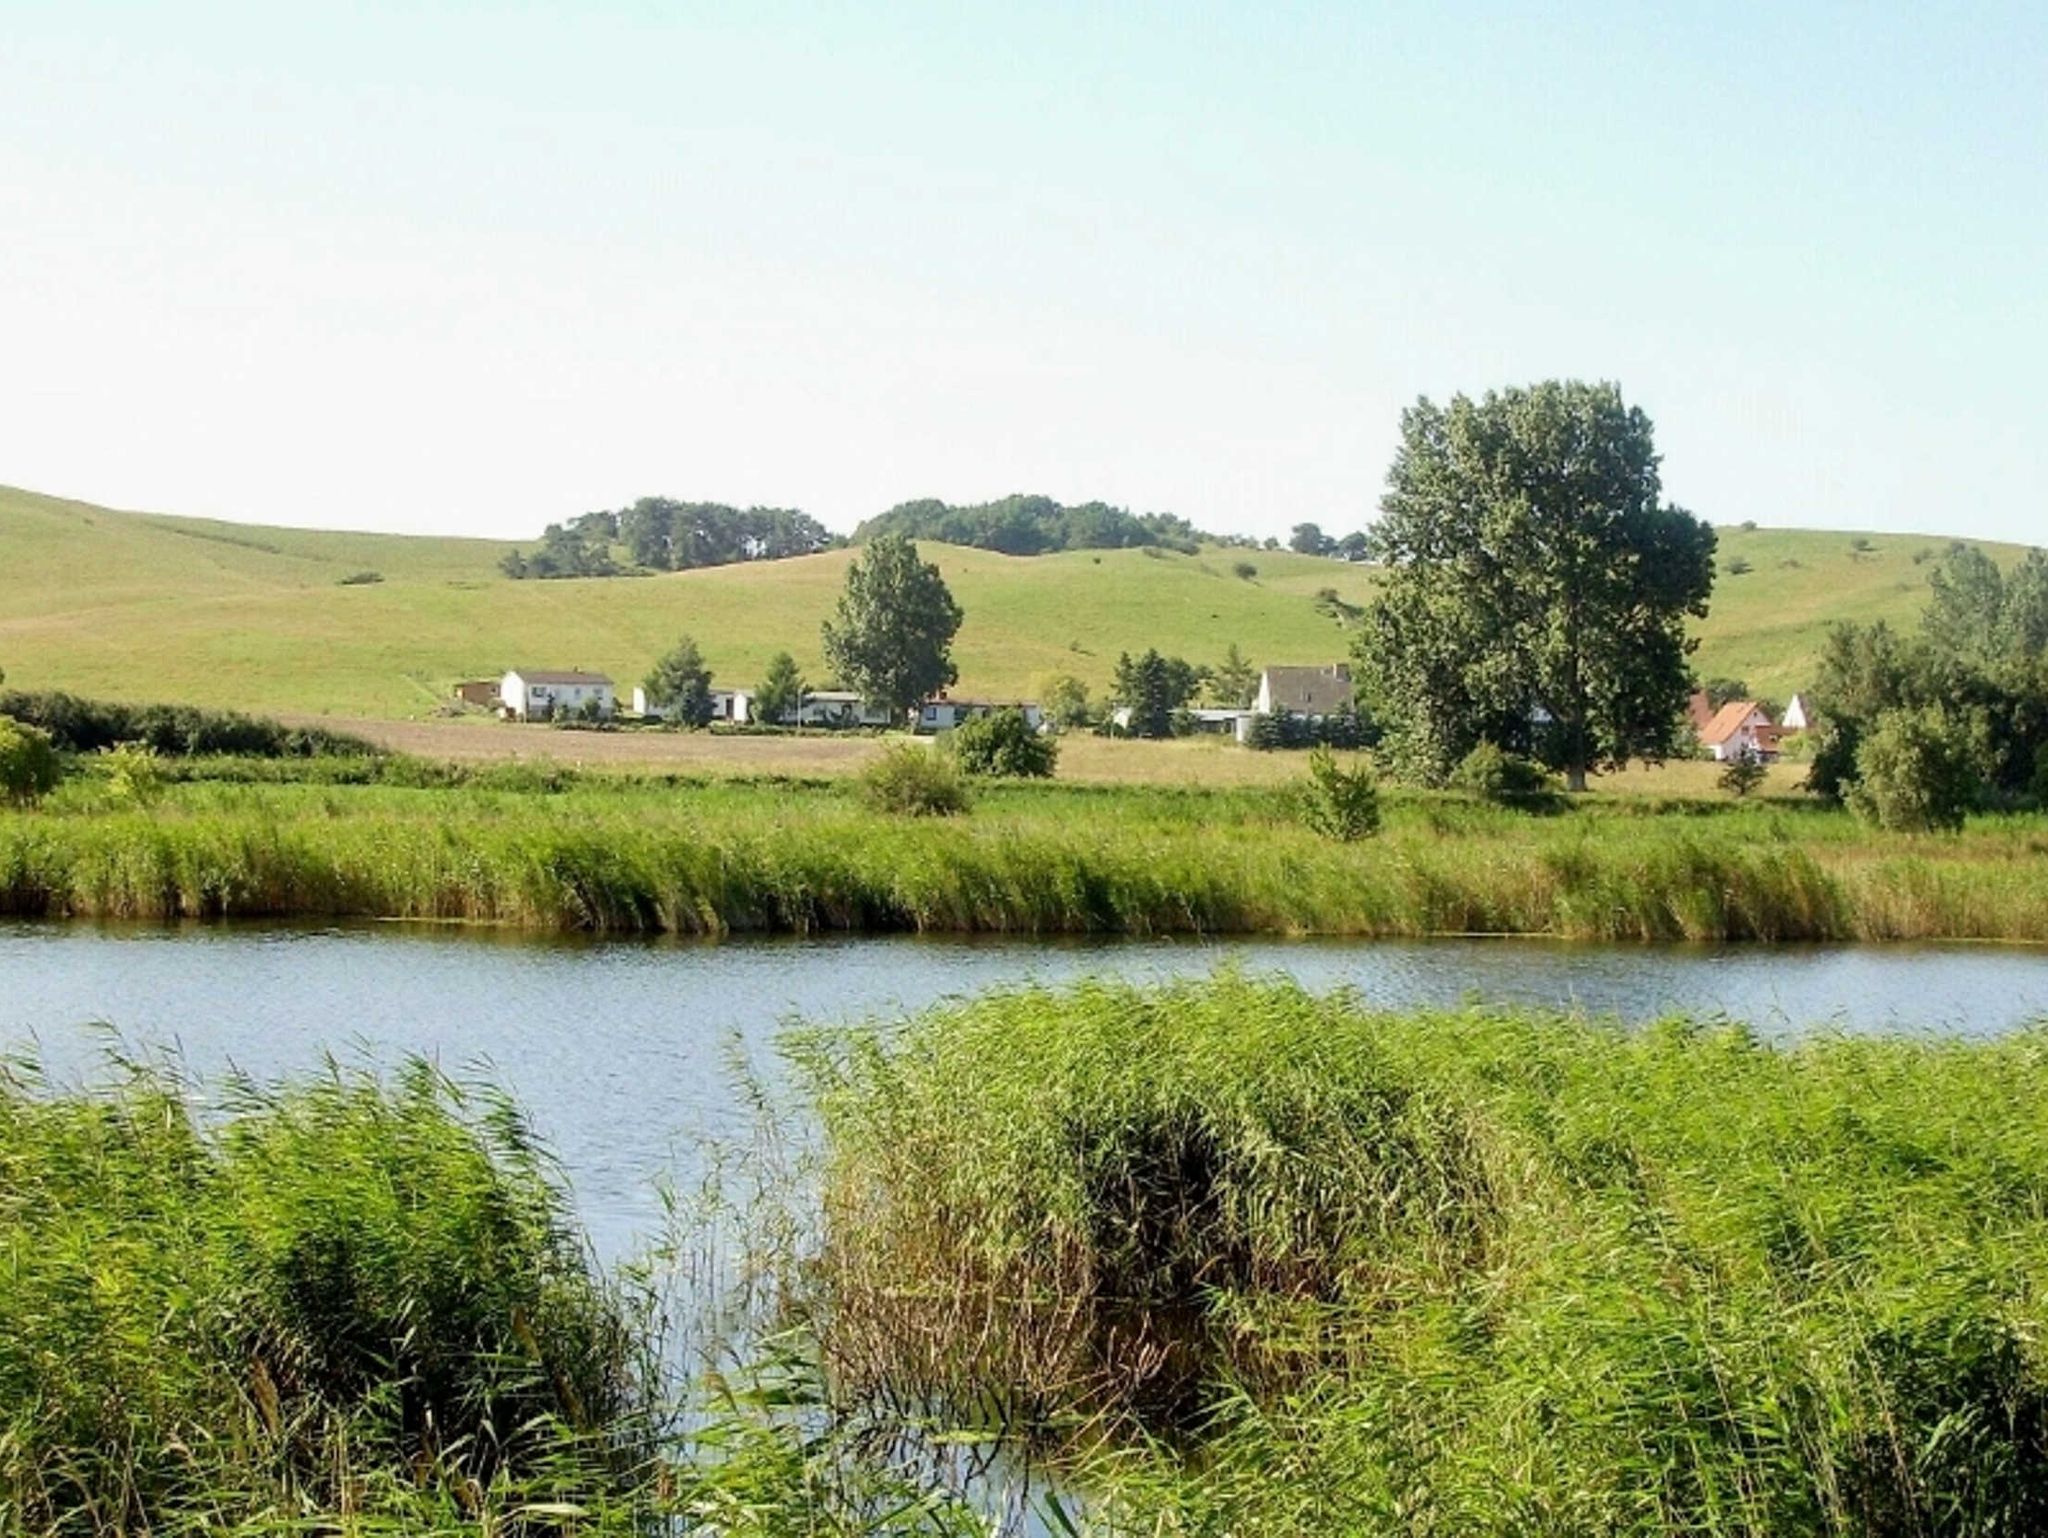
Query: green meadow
[[140, 606]]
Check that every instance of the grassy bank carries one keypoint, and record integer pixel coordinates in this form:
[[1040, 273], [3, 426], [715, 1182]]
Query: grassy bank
[[537, 849], [1272, 1264]]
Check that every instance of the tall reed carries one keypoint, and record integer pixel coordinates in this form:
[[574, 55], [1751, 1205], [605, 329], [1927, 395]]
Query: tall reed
[[341, 1301], [1271, 1263], [607, 857]]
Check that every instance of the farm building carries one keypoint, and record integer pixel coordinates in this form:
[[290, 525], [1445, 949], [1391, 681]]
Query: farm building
[[1798, 715], [942, 712], [539, 694], [731, 705], [477, 691], [840, 708]]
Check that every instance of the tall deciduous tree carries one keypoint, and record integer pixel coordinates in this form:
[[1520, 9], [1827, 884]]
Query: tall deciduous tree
[[781, 693], [680, 685], [1537, 583], [892, 635]]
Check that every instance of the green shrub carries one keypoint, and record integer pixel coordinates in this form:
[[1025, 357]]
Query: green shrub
[[912, 781], [29, 769], [1742, 774], [1506, 779], [1914, 772], [134, 773], [175, 731], [1003, 743], [1339, 803]]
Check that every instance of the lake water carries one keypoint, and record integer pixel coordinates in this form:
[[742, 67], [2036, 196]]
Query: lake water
[[624, 1052]]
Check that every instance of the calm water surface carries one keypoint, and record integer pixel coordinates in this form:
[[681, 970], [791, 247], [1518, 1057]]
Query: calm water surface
[[625, 1052]]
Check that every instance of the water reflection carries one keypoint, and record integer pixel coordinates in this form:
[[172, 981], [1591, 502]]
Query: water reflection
[[625, 1052]]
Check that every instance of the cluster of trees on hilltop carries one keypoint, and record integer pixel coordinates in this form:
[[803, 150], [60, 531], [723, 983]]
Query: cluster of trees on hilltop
[[661, 534], [1033, 525]]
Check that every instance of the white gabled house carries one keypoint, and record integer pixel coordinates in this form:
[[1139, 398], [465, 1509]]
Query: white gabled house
[[1798, 715], [1314, 692], [1740, 727], [540, 694]]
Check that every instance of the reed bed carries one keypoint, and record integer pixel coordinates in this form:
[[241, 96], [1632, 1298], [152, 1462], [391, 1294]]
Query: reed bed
[[623, 856], [1259, 1262], [341, 1306]]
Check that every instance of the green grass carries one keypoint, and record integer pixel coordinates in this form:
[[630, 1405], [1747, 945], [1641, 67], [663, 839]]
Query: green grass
[[1252, 1262], [529, 848], [135, 606]]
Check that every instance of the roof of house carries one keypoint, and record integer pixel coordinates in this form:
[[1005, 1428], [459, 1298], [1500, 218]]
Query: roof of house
[[544, 676], [1309, 690], [1699, 709], [1729, 720]]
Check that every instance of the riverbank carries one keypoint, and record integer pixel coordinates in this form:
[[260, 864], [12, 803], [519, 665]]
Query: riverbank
[[538, 849], [1223, 1256]]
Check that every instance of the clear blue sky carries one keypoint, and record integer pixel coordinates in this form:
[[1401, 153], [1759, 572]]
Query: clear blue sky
[[470, 268]]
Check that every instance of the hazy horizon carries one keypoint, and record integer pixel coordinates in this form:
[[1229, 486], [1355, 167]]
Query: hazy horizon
[[471, 270]]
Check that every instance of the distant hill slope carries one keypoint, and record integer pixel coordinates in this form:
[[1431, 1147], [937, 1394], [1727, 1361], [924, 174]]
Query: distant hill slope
[[144, 606]]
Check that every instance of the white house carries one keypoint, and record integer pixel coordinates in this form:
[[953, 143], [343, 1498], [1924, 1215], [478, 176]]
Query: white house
[[1798, 717], [942, 713], [1314, 692], [733, 705], [536, 694], [1740, 727]]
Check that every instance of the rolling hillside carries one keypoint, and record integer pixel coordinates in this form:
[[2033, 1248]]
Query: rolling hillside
[[143, 606]]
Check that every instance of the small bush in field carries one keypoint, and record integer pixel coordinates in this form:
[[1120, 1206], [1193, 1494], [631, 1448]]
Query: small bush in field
[[1339, 803], [29, 769], [134, 773], [909, 781], [1742, 774], [1506, 779], [1003, 743]]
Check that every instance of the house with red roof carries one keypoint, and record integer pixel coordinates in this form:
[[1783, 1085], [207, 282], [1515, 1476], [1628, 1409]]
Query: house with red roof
[[1738, 728]]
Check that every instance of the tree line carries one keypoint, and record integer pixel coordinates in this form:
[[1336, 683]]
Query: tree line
[[661, 534], [1034, 525]]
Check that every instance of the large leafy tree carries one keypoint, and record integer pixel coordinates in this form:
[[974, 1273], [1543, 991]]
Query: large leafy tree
[[1537, 583], [680, 685], [892, 635]]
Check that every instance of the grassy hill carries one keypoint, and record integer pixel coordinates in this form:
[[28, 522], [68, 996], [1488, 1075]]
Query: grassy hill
[[143, 606]]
